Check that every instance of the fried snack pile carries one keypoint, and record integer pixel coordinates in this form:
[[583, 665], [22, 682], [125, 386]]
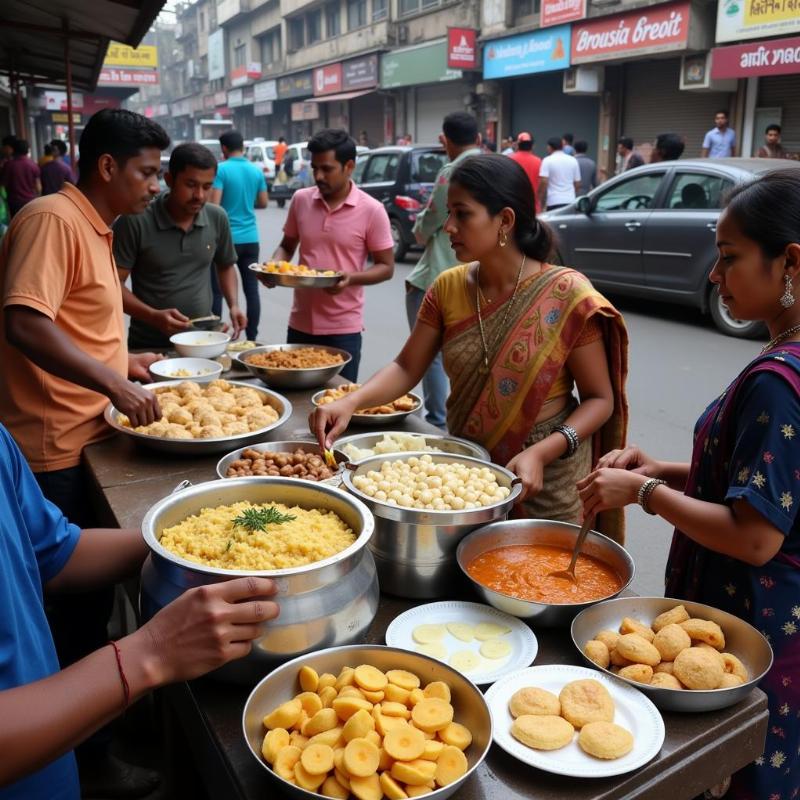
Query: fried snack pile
[[301, 358], [366, 733], [285, 268], [543, 721], [674, 652], [298, 464], [404, 403]]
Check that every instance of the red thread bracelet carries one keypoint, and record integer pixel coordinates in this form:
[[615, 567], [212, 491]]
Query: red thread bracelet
[[126, 689]]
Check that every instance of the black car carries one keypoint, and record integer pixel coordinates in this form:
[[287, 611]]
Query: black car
[[402, 179], [650, 232]]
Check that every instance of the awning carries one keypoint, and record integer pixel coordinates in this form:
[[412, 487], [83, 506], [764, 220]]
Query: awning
[[330, 98]]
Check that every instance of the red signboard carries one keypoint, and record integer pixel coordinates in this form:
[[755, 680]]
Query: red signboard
[[121, 76], [462, 51], [327, 79], [776, 57], [653, 29], [556, 12]]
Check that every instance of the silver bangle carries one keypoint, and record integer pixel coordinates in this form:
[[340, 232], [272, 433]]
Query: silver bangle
[[571, 435], [645, 492]]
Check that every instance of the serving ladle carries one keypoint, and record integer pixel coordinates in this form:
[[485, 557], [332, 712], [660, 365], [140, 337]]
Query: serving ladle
[[569, 572]]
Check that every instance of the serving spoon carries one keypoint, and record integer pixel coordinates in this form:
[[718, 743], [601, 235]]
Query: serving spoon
[[569, 572]]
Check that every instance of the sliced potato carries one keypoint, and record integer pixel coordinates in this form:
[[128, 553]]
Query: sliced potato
[[465, 661], [403, 678], [450, 766], [308, 678], [490, 630], [427, 634], [361, 759], [496, 648], [391, 788], [456, 735], [366, 788], [461, 630], [274, 741], [434, 650], [370, 678], [317, 759]]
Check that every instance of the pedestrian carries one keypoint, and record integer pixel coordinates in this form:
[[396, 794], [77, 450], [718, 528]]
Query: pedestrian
[[337, 226], [56, 173], [279, 151], [363, 139], [169, 250], [735, 506], [21, 177], [63, 352], [667, 147], [46, 712], [530, 162], [772, 147], [47, 156], [587, 166], [720, 141], [517, 335], [240, 188], [409, 139], [460, 139], [566, 144], [509, 146], [559, 177], [7, 148], [630, 157]]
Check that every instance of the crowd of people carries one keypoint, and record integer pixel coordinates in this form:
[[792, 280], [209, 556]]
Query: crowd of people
[[523, 357]]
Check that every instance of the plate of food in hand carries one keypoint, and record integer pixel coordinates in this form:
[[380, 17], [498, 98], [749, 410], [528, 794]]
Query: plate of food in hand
[[375, 415], [283, 273]]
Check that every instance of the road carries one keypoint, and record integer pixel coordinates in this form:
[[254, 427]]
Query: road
[[678, 365]]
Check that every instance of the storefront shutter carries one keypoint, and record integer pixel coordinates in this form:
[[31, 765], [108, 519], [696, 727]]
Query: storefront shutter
[[434, 103], [782, 91]]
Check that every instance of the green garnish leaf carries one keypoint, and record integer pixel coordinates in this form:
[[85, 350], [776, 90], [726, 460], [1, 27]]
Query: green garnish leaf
[[229, 545], [257, 519]]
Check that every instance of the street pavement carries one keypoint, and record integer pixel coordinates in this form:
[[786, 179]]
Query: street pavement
[[678, 365]]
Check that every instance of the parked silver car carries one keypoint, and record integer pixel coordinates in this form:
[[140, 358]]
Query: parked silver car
[[650, 232]]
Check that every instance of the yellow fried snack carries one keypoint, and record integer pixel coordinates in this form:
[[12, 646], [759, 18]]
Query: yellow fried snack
[[672, 617], [712, 650], [667, 667], [665, 680], [617, 659], [598, 652], [631, 625], [733, 666], [703, 630], [605, 740], [542, 732], [637, 649], [729, 680], [585, 701], [608, 638], [532, 700], [641, 673], [670, 640], [450, 766], [697, 668]]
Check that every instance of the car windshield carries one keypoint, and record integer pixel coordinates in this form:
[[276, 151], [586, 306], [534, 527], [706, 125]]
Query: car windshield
[[425, 166]]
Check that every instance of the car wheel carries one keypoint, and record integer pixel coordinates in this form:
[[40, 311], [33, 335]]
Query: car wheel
[[400, 246], [728, 324], [281, 203]]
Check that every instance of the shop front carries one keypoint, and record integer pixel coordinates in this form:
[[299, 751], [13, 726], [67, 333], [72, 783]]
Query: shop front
[[295, 125], [265, 95]]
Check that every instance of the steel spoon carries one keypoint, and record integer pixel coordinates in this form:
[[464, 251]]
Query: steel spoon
[[569, 572]]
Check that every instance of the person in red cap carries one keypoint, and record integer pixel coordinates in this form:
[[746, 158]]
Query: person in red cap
[[531, 163]]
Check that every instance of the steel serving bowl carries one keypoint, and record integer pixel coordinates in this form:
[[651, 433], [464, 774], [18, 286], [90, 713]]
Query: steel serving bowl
[[284, 378], [200, 344], [204, 447], [375, 420], [297, 281], [281, 685], [415, 549], [280, 447], [741, 639], [444, 442], [201, 370], [323, 604], [540, 531]]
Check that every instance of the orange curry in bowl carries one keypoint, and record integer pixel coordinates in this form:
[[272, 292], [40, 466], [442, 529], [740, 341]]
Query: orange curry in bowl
[[523, 571]]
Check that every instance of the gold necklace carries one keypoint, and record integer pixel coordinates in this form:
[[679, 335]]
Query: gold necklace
[[505, 315], [781, 337]]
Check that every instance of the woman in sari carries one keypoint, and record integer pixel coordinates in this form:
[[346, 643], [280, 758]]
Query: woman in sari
[[517, 336], [735, 506]]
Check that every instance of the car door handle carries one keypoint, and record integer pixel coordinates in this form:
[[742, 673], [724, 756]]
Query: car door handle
[[632, 226], [712, 226], [562, 226]]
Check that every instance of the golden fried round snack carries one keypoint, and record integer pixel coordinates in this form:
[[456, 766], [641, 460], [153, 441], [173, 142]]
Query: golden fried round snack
[[617, 659], [641, 673], [712, 650], [605, 740], [697, 668], [542, 732], [608, 638], [637, 649], [532, 700], [670, 640], [733, 666], [666, 667], [597, 652], [631, 625], [672, 617], [585, 701], [703, 630], [729, 680], [664, 680]]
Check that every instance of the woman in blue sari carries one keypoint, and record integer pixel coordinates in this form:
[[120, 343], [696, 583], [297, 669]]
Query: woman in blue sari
[[735, 505]]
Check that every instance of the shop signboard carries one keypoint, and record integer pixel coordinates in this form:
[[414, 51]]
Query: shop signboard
[[181, 108], [557, 12], [235, 98], [424, 63], [304, 111], [208, 101], [120, 76], [298, 85], [245, 73], [220, 98], [527, 53], [123, 55], [462, 48], [262, 109], [360, 73], [248, 96], [775, 57], [93, 103], [216, 54], [327, 79], [755, 19], [61, 118], [652, 29], [266, 90], [57, 101]]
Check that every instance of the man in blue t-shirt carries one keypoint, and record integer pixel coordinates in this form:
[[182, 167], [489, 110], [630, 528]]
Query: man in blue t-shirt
[[240, 188], [720, 141], [45, 712]]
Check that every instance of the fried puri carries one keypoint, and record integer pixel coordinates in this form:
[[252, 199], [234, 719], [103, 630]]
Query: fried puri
[[585, 701], [729, 681], [733, 666], [617, 659], [697, 668], [630, 625], [637, 649], [597, 652], [703, 630], [542, 732], [608, 638], [664, 680], [670, 640], [605, 740], [667, 667], [672, 617], [641, 673], [535, 701]]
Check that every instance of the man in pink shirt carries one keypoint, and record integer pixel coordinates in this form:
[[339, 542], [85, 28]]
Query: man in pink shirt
[[337, 226]]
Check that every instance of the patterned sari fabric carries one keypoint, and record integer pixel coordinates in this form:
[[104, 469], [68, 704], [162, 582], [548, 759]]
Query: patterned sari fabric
[[498, 407], [746, 447]]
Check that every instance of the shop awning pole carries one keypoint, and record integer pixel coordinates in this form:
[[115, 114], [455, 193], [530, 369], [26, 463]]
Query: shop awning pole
[[70, 122], [17, 89]]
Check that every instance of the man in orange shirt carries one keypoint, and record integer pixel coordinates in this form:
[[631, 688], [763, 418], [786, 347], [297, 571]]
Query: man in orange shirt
[[280, 150], [529, 162], [62, 346]]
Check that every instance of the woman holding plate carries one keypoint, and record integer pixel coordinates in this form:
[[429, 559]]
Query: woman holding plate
[[735, 506], [517, 336]]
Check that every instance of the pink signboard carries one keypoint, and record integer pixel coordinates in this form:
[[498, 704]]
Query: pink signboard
[[328, 79], [556, 12], [775, 57], [121, 76]]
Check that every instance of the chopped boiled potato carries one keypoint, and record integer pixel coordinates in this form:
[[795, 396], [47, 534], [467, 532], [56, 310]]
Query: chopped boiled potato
[[434, 650], [462, 631], [495, 648], [465, 661], [427, 634], [490, 630]]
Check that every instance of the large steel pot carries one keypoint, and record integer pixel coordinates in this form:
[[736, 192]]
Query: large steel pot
[[325, 604], [415, 550]]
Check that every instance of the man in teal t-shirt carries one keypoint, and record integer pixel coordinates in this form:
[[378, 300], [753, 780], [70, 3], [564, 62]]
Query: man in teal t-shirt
[[240, 188]]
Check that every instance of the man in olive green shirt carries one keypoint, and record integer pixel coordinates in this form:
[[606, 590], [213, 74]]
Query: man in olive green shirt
[[460, 139], [168, 251]]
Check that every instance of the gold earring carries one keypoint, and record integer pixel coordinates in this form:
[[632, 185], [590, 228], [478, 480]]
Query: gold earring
[[787, 298], [503, 238]]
